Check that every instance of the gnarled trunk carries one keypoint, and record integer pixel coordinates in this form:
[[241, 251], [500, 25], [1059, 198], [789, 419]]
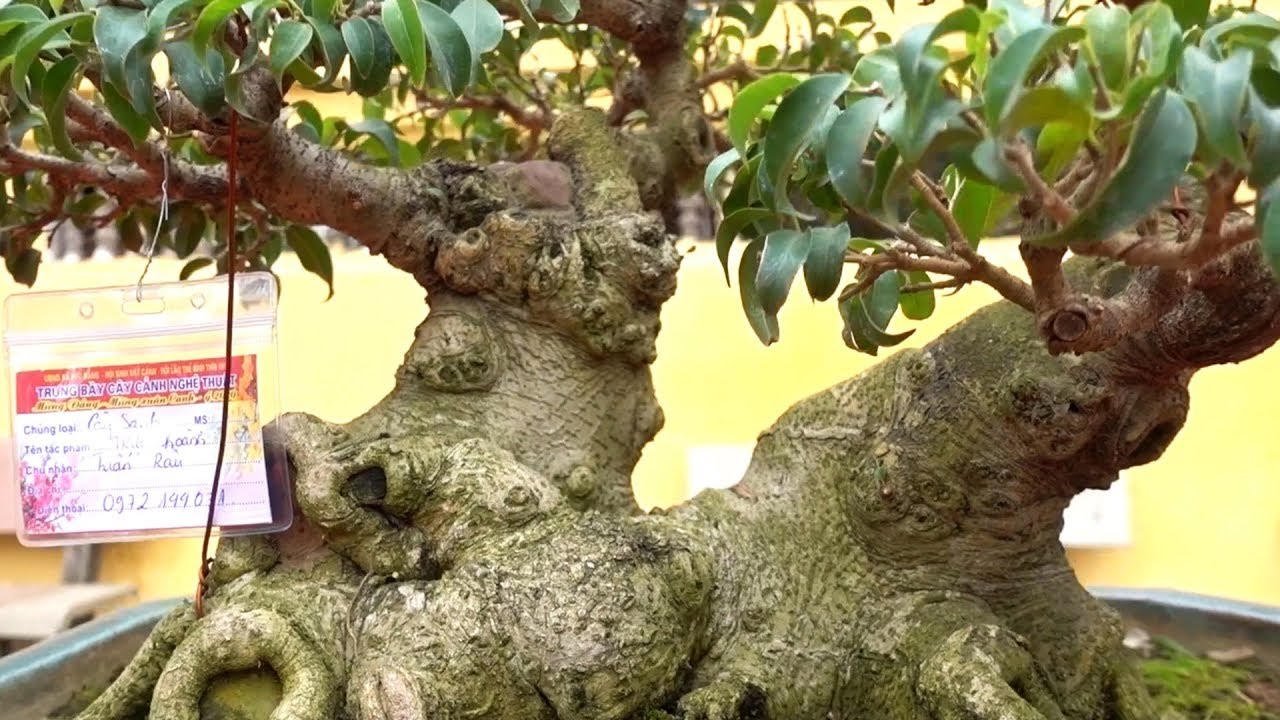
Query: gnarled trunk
[[468, 548]]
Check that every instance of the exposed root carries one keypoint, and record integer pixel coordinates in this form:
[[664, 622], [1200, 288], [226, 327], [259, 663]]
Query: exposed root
[[129, 696], [238, 640], [325, 458]]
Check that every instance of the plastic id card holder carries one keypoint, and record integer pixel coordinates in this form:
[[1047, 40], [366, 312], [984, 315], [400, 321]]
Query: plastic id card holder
[[116, 409]]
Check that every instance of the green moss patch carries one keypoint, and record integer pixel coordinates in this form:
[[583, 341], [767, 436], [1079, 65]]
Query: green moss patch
[[1188, 686]]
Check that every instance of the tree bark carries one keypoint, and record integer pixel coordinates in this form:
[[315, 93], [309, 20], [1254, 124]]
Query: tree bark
[[469, 547]]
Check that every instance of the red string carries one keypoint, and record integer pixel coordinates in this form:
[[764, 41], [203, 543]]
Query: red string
[[205, 560]]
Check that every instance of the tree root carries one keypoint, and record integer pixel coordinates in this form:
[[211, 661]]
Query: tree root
[[129, 696], [237, 640]]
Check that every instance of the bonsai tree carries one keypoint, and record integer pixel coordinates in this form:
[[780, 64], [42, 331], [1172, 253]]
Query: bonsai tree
[[469, 547]]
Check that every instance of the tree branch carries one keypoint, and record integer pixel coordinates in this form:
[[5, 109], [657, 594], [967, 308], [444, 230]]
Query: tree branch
[[1053, 203], [977, 266], [387, 210], [193, 182], [738, 70], [536, 120]]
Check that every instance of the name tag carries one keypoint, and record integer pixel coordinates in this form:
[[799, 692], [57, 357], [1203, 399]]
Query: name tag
[[132, 448], [115, 412]]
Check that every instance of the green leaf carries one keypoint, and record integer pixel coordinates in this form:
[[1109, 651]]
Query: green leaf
[[856, 14], [1107, 31], [1163, 143], [404, 25], [450, 51], [825, 262], [1218, 91], [760, 16], [31, 43], [742, 193], [1059, 144], [750, 101], [526, 16], [209, 20], [372, 82], [917, 305], [24, 266], [1266, 83], [562, 11], [854, 332], [189, 231], [194, 266], [1265, 150], [116, 30], [141, 85], [847, 145], [59, 81], [881, 304], [1162, 43], [792, 127], [12, 16], [1040, 106], [304, 73], [1189, 13], [988, 164], [358, 35], [332, 48], [1010, 68], [201, 81], [383, 132], [918, 69], [1254, 24], [731, 227], [866, 317], [482, 25], [158, 22], [122, 110], [312, 253], [764, 324], [879, 67], [272, 248], [716, 169], [784, 252], [886, 161], [321, 9], [310, 116], [288, 41], [977, 207], [1269, 232]]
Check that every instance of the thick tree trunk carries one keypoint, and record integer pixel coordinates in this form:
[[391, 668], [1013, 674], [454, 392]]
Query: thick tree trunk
[[469, 548]]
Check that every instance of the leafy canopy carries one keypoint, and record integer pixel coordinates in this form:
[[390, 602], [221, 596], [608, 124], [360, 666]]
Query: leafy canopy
[[915, 154], [841, 147], [436, 78]]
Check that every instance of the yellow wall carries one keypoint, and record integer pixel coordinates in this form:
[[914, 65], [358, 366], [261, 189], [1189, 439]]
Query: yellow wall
[[1206, 517]]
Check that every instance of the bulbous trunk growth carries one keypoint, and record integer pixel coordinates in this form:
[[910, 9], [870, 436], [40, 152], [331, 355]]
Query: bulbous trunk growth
[[468, 548]]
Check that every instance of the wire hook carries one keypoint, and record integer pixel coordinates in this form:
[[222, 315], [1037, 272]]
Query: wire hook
[[149, 248]]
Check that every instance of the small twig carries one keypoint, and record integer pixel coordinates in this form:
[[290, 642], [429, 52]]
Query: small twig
[[1149, 251], [528, 119], [918, 242], [1101, 101], [935, 285], [1053, 203], [738, 70], [932, 197], [972, 120], [1079, 171]]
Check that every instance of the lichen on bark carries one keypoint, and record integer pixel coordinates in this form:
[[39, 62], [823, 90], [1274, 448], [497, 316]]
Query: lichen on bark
[[469, 547]]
